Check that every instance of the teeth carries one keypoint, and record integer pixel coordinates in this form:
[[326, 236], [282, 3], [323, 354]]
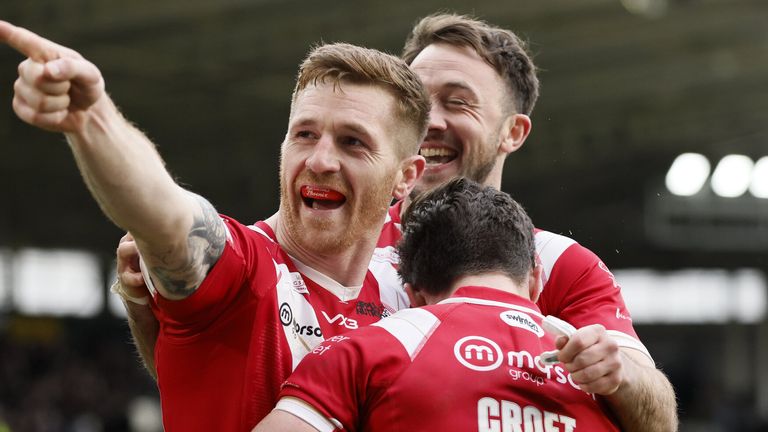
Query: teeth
[[437, 152]]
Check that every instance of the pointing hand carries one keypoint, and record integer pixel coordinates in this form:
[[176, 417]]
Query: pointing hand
[[56, 85]]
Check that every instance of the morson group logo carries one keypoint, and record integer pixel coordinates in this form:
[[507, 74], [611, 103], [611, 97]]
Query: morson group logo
[[288, 320], [478, 353]]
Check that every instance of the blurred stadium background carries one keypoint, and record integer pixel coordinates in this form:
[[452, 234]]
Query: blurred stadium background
[[628, 85]]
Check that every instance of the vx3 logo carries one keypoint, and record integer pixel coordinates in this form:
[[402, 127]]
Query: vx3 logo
[[343, 321]]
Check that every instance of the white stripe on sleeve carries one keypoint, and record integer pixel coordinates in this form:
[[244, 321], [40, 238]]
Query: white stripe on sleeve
[[308, 413]]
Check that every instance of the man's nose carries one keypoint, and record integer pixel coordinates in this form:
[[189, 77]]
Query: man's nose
[[437, 116], [324, 157]]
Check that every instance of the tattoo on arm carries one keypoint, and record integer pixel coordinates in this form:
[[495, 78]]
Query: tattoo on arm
[[205, 244]]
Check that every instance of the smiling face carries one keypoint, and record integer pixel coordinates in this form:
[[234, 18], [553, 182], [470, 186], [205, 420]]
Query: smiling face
[[467, 119], [339, 165]]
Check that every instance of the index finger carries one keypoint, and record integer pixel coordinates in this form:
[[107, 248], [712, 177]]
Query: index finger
[[30, 44]]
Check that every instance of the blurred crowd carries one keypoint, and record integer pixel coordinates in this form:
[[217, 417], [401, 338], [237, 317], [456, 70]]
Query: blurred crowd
[[73, 376]]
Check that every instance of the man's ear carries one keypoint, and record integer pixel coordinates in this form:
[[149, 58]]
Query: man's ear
[[514, 131], [535, 282], [411, 170], [414, 296]]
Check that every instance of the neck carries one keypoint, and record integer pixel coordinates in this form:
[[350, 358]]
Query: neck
[[493, 280], [347, 267]]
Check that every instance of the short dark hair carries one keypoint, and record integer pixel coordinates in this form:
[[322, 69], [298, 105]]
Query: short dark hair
[[337, 63], [464, 228], [500, 48]]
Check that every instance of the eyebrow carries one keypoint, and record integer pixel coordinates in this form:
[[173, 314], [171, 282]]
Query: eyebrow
[[356, 128], [353, 127], [459, 85], [304, 122]]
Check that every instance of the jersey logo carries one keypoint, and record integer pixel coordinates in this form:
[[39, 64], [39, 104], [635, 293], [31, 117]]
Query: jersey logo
[[478, 353], [298, 283], [287, 320], [371, 309], [604, 268], [522, 320], [343, 321]]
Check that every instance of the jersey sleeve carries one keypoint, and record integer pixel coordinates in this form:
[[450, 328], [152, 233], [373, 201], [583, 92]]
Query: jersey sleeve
[[581, 290], [344, 377], [243, 259]]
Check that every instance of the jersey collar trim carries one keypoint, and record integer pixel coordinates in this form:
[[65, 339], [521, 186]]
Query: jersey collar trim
[[491, 297], [344, 293]]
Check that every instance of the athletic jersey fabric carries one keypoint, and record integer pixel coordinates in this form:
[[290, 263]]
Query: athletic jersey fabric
[[577, 285], [470, 362], [223, 352]]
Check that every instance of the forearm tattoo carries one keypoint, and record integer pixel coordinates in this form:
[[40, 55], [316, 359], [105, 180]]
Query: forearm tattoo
[[205, 244]]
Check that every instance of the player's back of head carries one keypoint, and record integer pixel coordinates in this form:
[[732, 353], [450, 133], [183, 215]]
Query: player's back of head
[[464, 228]]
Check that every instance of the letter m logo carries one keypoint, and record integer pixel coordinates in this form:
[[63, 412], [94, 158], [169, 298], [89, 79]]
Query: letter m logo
[[478, 352]]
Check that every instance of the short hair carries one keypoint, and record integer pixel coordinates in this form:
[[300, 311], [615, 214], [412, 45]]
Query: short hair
[[500, 48], [341, 62], [464, 228]]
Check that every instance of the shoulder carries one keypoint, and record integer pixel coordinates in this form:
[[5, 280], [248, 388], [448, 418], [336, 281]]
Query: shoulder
[[559, 252], [410, 327]]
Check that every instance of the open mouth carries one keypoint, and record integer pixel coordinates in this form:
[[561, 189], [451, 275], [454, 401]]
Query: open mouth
[[438, 155], [321, 198]]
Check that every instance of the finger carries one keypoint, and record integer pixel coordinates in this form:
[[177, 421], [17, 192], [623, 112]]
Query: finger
[[132, 281], [86, 79], [561, 341], [78, 70], [39, 101], [600, 379], [128, 257], [33, 73], [48, 121], [606, 352], [126, 238], [28, 43], [579, 341]]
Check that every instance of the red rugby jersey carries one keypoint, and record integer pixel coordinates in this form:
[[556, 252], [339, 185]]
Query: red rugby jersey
[[469, 363], [223, 352]]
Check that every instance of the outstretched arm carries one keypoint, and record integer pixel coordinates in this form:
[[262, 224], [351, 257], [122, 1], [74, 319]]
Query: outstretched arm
[[639, 395], [179, 234]]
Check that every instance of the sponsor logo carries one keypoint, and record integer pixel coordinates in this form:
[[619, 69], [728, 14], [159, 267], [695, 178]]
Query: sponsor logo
[[526, 376], [287, 319], [522, 320], [371, 309], [604, 268], [286, 314], [342, 320], [620, 315], [478, 353], [482, 354]]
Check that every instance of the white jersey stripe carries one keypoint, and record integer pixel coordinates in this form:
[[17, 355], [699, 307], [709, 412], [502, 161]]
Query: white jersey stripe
[[260, 231], [627, 341], [393, 295], [402, 324], [491, 303], [308, 413], [295, 311], [549, 247]]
